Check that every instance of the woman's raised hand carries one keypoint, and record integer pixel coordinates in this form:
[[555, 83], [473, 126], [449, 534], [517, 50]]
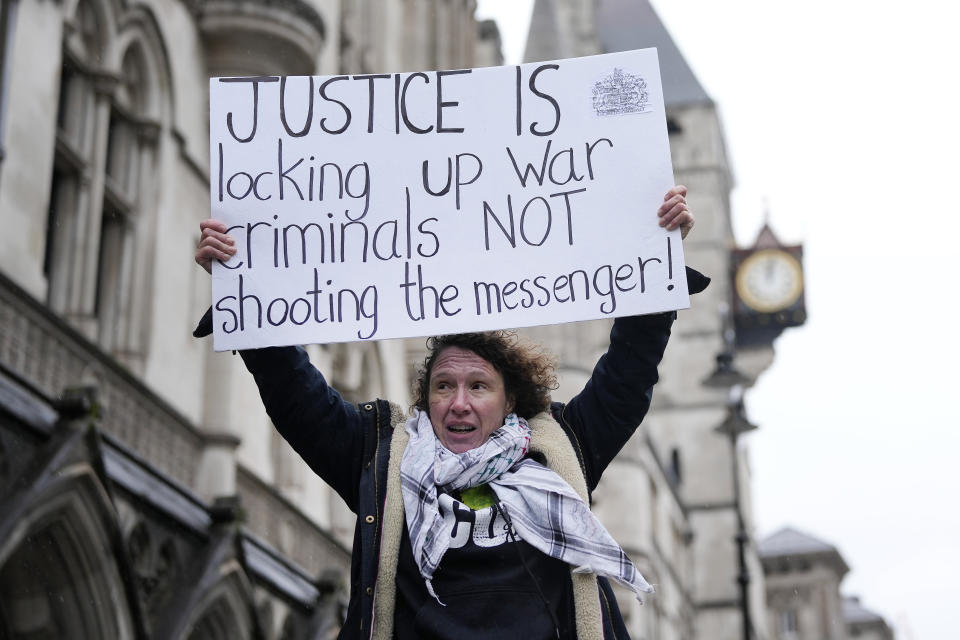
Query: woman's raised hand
[[674, 212], [215, 244]]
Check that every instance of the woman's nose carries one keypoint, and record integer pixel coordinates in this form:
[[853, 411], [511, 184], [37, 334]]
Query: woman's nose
[[460, 401]]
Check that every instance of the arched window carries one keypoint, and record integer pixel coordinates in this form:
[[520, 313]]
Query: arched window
[[219, 622], [73, 157], [8, 19], [108, 118], [60, 580], [225, 613], [128, 154]]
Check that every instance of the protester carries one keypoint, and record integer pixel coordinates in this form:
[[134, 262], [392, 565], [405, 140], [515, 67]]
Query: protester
[[473, 516]]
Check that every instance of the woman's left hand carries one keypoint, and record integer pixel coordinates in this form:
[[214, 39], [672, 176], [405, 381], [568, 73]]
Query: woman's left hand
[[674, 213]]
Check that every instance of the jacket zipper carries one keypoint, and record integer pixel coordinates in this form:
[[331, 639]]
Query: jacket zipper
[[378, 510], [606, 604]]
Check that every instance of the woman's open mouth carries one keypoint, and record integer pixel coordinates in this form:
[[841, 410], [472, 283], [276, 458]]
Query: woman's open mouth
[[460, 428]]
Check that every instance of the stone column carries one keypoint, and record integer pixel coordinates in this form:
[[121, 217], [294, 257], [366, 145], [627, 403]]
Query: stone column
[[217, 475]]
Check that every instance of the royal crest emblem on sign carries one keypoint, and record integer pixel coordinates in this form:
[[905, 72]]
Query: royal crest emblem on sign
[[619, 93]]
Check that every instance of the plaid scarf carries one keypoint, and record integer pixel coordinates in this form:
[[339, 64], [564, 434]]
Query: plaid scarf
[[542, 508]]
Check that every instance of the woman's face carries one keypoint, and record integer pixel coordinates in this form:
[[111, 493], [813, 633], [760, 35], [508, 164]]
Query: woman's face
[[468, 400]]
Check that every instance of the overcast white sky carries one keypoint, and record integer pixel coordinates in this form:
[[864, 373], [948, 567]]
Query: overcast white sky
[[844, 115]]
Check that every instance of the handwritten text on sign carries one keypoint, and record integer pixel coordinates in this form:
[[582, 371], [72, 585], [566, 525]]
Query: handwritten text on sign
[[395, 205]]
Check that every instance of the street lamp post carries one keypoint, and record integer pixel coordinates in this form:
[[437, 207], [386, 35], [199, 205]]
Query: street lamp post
[[733, 426], [726, 376]]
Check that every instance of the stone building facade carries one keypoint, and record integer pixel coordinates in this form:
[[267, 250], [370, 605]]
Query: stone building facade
[[671, 497], [143, 492], [140, 480], [678, 497], [803, 576]]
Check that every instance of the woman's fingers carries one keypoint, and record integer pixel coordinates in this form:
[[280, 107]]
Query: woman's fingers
[[222, 245], [674, 212], [669, 218], [214, 244], [675, 190], [214, 225]]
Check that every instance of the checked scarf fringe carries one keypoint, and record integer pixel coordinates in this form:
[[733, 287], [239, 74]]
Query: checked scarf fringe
[[545, 511]]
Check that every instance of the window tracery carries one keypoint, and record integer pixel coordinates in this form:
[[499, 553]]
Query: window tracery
[[108, 120], [58, 579]]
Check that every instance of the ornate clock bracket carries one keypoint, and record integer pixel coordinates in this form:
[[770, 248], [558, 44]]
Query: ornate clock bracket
[[768, 286]]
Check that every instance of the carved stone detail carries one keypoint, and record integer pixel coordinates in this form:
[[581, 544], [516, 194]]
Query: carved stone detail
[[155, 566], [52, 357]]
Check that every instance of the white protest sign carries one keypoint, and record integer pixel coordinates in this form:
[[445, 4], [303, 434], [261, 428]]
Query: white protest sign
[[396, 205]]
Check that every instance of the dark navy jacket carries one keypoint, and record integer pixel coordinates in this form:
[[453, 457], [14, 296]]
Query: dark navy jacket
[[348, 445]]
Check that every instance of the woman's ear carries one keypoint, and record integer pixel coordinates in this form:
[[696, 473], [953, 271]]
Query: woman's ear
[[510, 404]]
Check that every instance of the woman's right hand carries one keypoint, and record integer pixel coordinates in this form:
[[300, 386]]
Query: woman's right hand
[[215, 244], [674, 212]]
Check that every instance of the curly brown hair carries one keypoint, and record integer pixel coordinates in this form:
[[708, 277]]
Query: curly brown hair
[[528, 373]]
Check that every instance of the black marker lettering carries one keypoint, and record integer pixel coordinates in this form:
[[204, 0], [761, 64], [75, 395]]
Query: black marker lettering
[[441, 105], [219, 307], [403, 103], [643, 264], [519, 102], [436, 240], [530, 168], [472, 180], [255, 81], [590, 146], [566, 200], [371, 93], [426, 178], [511, 235], [523, 220], [346, 109], [283, 110], [283, 175], [547, 97]]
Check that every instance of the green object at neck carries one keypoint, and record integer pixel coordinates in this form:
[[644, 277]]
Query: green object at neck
[[479, 497]]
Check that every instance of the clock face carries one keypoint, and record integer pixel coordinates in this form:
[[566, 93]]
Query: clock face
[[769, 280]]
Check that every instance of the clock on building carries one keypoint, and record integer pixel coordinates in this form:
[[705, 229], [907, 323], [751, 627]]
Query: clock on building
[[768, 289], [769, 280]]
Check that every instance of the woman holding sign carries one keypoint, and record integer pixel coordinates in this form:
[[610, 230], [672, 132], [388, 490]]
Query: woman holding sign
[[473, 513]]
